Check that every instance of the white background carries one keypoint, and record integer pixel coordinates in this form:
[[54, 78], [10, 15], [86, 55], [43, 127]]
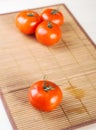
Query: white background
[[83, 10]]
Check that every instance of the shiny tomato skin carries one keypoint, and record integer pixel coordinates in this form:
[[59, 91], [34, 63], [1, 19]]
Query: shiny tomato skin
[[42, 99], [48, 33], [27, 21], [53, 15]]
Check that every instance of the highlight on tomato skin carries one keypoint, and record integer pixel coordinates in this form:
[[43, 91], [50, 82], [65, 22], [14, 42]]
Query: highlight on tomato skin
[[27, 21], [48, 33], [45, 95], [53, 15]]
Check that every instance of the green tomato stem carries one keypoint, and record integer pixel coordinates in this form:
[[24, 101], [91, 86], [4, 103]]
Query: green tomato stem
[[54, 11], [47, 87], [30, 14], [50, 24]]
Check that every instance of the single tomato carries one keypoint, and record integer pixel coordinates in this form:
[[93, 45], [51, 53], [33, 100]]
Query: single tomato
[[53, 15], [48, 33], [45, 95], [27, 21]]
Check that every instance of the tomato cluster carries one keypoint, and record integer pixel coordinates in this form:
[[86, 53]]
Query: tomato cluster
[[46, 25]]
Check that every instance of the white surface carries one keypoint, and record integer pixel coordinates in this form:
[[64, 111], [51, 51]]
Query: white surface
[[85, 13], [83, 10], [89, 127], [4, 122]]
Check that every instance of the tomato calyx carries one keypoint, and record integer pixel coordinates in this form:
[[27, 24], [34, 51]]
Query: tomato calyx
[[54, 11], [46, 87], [50, 25], [30, 14]]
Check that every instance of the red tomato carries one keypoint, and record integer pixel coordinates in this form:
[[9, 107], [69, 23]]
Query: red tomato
[[53, 15], [48, 33], [27, 21], [45, 95]]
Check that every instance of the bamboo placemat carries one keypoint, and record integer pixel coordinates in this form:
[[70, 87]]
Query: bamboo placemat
[[71, 64]]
